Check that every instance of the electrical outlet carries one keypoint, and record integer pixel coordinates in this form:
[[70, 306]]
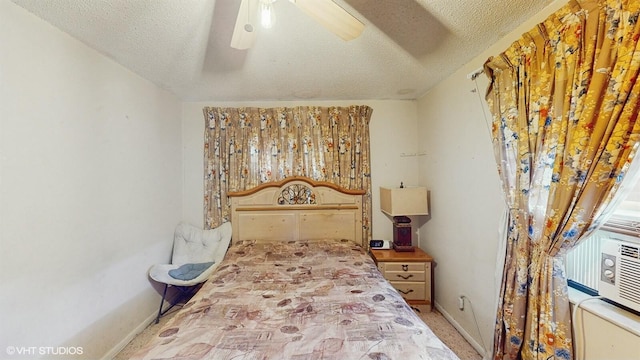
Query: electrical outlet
[[461, 303]]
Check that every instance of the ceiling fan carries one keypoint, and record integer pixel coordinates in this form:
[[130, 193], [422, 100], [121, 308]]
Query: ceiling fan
[[326, 12]]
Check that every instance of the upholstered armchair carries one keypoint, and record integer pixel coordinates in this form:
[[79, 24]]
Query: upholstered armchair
[[196, 254]]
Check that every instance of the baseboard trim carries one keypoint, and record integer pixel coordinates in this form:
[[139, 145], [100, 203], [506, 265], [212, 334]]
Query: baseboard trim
[[462, 331], [127, 339]]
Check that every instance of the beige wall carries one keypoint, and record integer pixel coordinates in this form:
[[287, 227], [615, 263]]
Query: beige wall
[[90, 191], [466, 202]]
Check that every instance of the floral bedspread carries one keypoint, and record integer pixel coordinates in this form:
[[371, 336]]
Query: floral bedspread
[[296, 300]]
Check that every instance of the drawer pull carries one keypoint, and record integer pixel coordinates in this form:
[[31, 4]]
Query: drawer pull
[[405, 277], [405, 267], [406, 292]]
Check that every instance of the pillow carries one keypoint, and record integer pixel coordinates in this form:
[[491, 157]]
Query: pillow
[[190, 271]]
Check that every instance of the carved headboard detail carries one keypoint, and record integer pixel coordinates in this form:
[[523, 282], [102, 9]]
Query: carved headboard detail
[[296, 194]]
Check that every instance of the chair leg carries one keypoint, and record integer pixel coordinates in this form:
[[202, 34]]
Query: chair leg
[[164, 294], [185, 291]]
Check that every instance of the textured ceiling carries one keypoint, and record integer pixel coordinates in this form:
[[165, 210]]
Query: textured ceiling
[[407, 46]]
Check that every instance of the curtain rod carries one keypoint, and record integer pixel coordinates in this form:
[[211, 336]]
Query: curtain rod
[[473, 75]]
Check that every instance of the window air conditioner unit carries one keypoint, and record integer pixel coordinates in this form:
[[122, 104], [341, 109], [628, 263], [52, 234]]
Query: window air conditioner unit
[[620, 273]]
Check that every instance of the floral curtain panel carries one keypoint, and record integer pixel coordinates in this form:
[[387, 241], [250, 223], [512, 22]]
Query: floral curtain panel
[[564, 99], [245, 147]]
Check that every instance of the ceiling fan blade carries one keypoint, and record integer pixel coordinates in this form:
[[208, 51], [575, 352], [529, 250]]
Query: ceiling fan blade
[[244, 34], [332, 16]]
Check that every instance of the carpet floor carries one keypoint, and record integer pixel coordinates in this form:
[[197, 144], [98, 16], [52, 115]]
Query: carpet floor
[[447, 333], [440, 326]]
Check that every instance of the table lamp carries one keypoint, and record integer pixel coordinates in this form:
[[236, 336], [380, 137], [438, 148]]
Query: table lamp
[[400, 203]]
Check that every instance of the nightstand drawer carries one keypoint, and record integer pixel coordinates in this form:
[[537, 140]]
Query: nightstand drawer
[[405, 275], [410, 290], [404, 267]]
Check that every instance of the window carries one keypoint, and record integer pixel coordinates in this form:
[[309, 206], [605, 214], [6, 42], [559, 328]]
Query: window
[[583, 262], [626, 218]]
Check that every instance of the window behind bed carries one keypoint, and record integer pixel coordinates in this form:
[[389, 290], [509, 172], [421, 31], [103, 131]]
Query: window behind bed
[[246, 147]]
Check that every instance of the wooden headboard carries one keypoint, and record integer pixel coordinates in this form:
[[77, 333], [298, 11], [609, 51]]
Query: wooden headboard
[[297, 208]]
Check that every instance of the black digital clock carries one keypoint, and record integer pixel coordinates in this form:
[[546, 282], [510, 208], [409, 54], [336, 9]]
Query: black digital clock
[[379, 244]]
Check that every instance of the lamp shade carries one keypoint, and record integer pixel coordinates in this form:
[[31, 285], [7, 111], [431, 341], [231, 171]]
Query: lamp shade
[[404, 201]]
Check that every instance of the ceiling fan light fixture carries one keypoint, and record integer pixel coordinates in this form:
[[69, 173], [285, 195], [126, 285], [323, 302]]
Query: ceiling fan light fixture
[[243, 35], [267, 14], [332, 16], [326, 12]]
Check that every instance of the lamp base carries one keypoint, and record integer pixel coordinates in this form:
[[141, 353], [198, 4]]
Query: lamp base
[[402, 234], [403, 248]]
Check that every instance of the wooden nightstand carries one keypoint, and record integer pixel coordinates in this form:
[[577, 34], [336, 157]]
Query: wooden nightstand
[[409, 272]]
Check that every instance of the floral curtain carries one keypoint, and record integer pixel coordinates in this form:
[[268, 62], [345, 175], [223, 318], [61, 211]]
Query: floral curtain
[[245, 147], [564, 99]]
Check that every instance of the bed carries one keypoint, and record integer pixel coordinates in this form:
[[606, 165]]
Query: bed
[[296, 283]]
